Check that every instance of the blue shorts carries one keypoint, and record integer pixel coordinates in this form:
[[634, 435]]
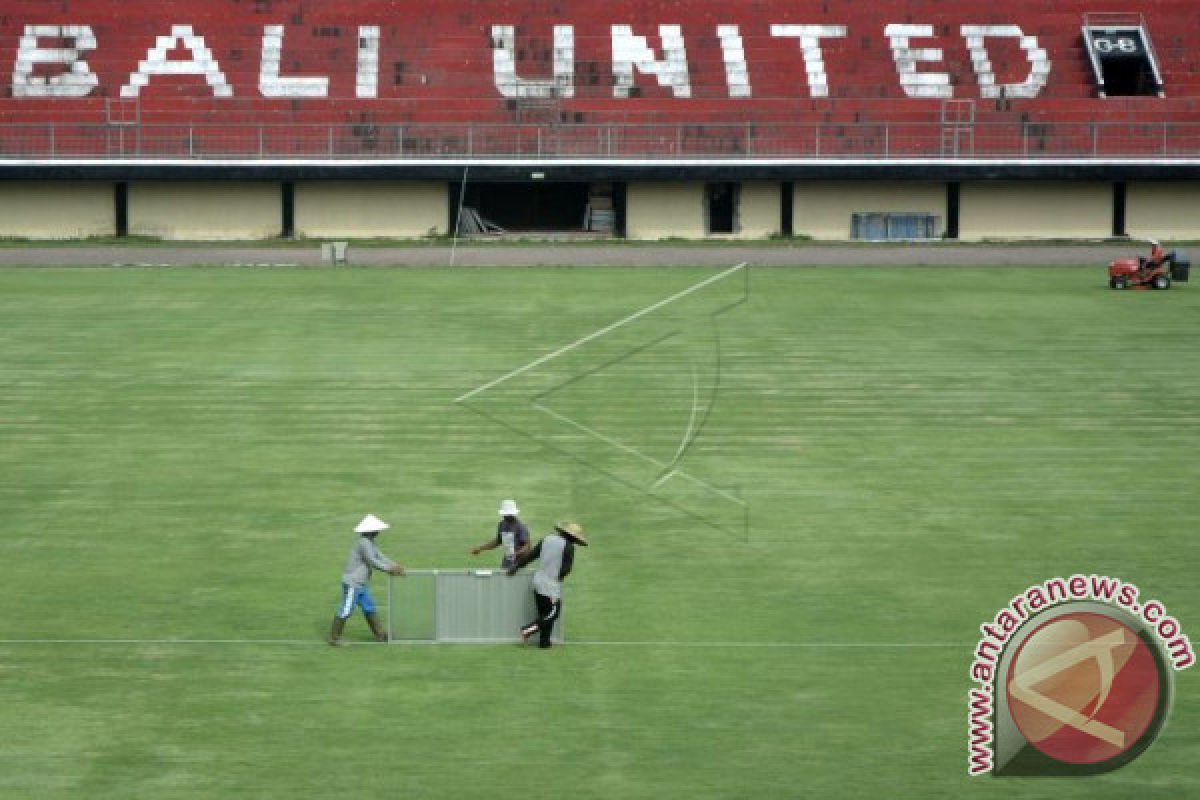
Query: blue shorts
[[355, 596]]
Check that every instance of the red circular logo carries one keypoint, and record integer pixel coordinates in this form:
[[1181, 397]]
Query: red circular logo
[[1083, 688]]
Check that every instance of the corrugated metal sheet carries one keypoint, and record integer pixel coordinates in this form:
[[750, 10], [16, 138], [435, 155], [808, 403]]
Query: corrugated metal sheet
[[466, 606]]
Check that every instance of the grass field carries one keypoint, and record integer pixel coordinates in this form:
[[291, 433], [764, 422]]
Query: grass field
[[186, 451]]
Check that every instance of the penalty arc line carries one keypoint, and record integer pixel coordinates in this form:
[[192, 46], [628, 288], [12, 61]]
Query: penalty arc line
[[669, 469], [597, 334]]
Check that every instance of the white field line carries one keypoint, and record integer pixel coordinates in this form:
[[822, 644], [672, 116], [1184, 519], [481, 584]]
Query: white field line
[[666, 476], [597, 334], [583, 643], [798, 645]]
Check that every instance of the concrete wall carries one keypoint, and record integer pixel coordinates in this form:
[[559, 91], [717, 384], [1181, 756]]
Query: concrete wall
[[1163, 210], [660, 210], [371, 209], [758, 211], [221, 210], [212, 210], [1032, 209], [823, 209], [52, 210]]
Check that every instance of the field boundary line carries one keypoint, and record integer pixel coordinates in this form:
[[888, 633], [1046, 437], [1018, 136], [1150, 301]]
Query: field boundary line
[[777, 645], [581, 643], [597, 334]]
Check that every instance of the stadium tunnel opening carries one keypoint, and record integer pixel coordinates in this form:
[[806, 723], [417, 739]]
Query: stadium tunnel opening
[[537, 207], [1129, 78], [1124, 58]]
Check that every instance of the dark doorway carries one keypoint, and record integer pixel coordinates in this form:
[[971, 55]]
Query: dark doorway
[[720, 199], [619, 209], [121, 208], [787, 196], [533, 206], [288, 197], [953, 208], [1128, 77], [1120, 190]]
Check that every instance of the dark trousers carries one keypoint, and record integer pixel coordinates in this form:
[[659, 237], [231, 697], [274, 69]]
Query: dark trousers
[[548, 612]]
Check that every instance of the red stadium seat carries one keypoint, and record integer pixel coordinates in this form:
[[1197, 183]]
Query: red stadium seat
[[435, 71]]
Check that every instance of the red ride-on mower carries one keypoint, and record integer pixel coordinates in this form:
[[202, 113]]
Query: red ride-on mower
[[1156, 272]]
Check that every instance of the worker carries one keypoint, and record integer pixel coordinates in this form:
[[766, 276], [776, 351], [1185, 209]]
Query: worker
[[511, 534], [1157, 256], [557, 554], [364, 556], [1156, 253]]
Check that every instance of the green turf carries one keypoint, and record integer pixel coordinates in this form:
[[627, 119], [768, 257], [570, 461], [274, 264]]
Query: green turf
[[185, 452]]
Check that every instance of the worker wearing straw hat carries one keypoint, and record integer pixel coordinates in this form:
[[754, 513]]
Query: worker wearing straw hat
[[557, 554], [364, 556], [511, 534]]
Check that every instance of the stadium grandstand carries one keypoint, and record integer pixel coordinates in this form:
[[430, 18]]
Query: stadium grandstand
[[904, 119]]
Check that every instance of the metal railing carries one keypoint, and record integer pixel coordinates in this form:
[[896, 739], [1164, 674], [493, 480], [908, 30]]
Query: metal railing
[[1024, 140]]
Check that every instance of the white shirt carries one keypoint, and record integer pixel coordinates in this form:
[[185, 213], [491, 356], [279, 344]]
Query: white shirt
[[545, 580]]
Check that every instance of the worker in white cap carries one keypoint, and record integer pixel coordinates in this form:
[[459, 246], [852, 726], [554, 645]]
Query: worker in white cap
[[557, 554], [511, 534], [364, 556]]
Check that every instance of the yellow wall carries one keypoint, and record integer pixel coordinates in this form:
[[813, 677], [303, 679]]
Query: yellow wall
[[1163, 210], [823, 209], [212, 210], [1033, 210], [660, 210], [371, 209], [51, 210], [758, 211], [221, 210]]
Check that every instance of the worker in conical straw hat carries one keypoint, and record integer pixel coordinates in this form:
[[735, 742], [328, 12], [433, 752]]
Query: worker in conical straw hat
[[511, 534], [364, 556], [557, 554]]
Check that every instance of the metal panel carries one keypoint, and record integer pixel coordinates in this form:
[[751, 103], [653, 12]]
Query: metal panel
[[463, 606], [412, 606]]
